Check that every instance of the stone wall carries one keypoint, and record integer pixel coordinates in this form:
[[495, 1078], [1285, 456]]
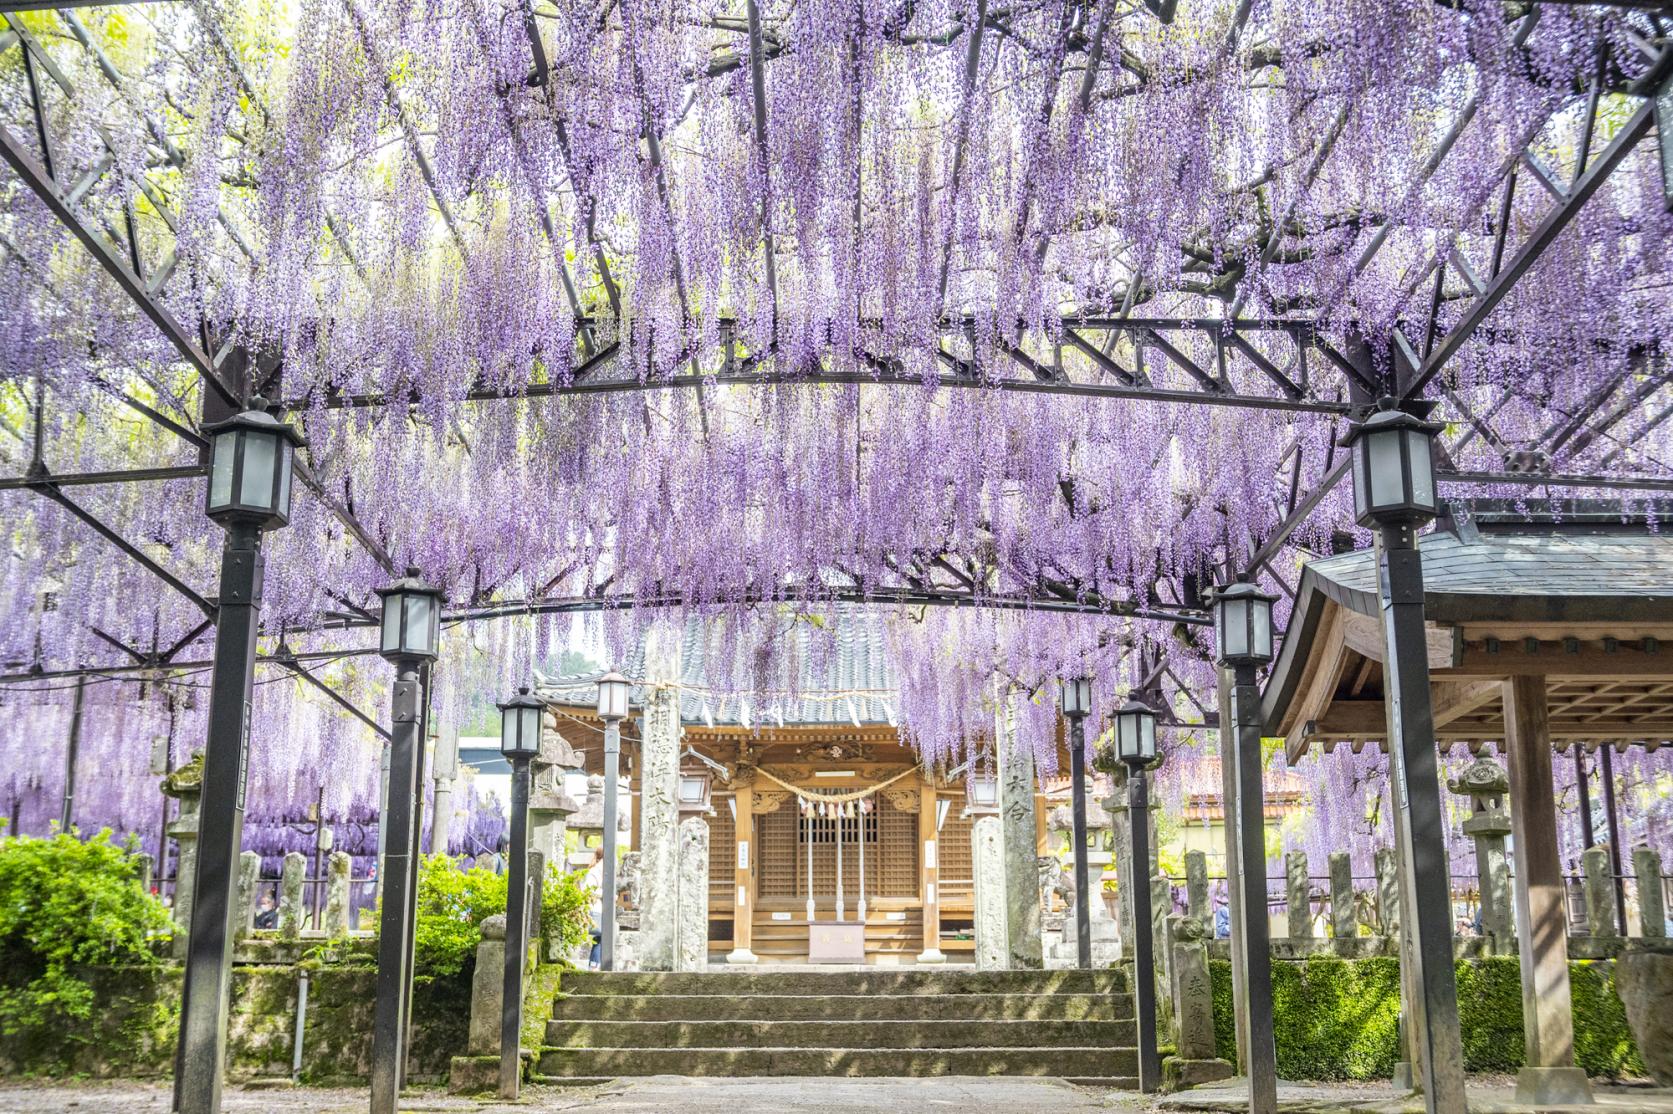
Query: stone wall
[[138, 1014]]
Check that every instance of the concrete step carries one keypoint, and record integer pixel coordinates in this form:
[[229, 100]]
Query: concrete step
[[841, 1034], [1072, 1062], [841, 1007], [859, 980]]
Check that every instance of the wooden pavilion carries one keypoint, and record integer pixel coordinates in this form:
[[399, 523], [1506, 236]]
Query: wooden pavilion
[[1545, 629]]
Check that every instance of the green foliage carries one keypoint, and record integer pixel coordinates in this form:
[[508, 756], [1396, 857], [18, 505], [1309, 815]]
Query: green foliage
[[1336, 1018], [66, 906], [1603, 1043], [452, 904], [564, 909]]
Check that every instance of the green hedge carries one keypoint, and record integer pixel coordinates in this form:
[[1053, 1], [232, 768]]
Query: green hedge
[[1338, 1018]]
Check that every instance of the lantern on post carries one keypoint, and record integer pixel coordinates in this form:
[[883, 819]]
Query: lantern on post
[[1243, 624], [519, 742], [1074, 697], [249, 490], [250, 465], [1394, 491], [411, 626], [1393, 468], [613, 691], [1135, 745], [411, 631]]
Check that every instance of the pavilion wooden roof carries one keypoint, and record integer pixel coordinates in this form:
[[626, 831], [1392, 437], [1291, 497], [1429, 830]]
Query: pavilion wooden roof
[[1584, 600]]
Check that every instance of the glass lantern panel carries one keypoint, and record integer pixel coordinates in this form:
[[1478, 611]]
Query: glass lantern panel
[[531, 729], [1388, 480], [984, 791], [220, 469], [1147, 737], [1235, 628], [1362, 495], [1261, 629], [1126, 736], [691, 790], [508, 730], [255, 486], [417, 625], [391, 624], [1423, 469], [286, 450]]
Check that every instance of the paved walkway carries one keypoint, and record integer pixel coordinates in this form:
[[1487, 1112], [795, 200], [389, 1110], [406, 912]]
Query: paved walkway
[[668, 1095], [654, 1095]]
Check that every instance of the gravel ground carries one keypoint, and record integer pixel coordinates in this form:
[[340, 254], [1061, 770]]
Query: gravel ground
[[639, 1096]]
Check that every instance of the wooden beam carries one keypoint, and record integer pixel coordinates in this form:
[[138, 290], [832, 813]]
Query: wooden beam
[[1454, 700], [1364, 635], [1568, 658]]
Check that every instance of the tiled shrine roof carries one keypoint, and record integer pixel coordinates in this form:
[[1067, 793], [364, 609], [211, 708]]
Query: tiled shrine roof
[[845, 677]]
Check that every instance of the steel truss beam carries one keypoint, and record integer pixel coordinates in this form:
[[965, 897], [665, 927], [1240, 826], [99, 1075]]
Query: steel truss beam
[[1247, 357]]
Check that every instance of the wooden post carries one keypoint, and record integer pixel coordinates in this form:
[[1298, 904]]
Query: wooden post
[[743, 863], [929, 870], [1550, 1076]]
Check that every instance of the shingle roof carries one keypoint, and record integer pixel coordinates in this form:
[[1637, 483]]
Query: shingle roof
[[1519, 576], [845, 676]]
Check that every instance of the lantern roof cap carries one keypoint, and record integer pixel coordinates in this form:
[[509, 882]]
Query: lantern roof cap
[[413, 581], [1241, 590], [523, 699], [255, 417], [1389, 415], [1134, 705]]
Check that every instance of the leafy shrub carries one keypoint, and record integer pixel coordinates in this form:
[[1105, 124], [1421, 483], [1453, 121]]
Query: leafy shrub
[[565, 911], [1335, 1018], [452, 904], [67, 905]]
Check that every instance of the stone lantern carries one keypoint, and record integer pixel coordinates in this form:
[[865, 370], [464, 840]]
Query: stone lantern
[[1486, 783], [550, 807]]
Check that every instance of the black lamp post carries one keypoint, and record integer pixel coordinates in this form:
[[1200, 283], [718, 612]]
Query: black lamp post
[[250, 460], [1243, 634], [411, 634], [612, 709], [1394, 491], [1075, 699], [519, 743], [1135, 745]]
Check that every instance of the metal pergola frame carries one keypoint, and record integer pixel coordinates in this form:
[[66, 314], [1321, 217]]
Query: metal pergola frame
[[1282, 365]]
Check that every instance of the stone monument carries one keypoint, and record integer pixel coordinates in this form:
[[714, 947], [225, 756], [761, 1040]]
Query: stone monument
[[1196, 1058], [1486, 784], [186, 786], [291, 877]]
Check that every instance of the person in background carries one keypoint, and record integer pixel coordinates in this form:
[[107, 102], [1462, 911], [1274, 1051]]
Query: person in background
[[500, 847], [1222, 923], [267, 915], [593, 883]]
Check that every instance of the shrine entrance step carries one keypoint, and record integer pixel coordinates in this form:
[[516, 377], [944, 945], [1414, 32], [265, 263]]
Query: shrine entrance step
[[873, 1022]]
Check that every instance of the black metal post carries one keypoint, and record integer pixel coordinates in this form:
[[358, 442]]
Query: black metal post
[[1419, 821], [389, 1043], [516, 932], [607, 899], [1583, 785], [70, 758], [1614, 821], [1144, 959], [414, 860], [208, 978], [1249, 816], [1083, 894]]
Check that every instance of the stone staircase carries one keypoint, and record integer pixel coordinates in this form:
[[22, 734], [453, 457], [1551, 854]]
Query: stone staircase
[[821, 1022]]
